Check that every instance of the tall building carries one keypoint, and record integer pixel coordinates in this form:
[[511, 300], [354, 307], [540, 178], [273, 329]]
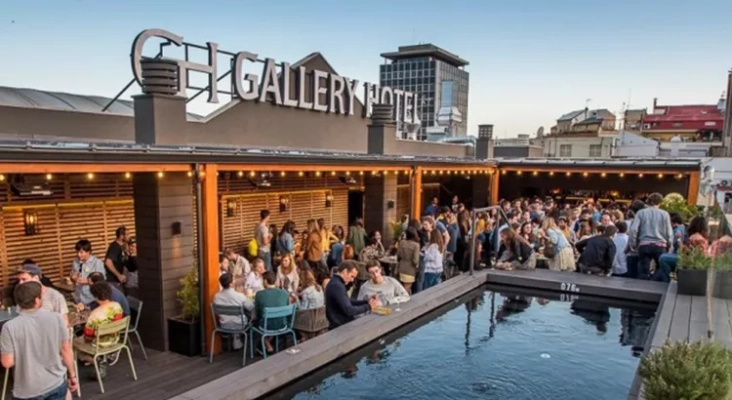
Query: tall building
[[423, 69]]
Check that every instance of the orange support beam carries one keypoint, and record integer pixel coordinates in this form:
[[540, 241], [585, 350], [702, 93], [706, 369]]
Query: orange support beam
[[417, 193], [210, 245], [494, 187], [693, 186]]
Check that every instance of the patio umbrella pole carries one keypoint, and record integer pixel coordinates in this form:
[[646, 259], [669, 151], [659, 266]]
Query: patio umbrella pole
[[200, 256]]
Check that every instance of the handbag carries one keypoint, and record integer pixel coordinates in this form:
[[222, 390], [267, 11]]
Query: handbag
[[550, 248]]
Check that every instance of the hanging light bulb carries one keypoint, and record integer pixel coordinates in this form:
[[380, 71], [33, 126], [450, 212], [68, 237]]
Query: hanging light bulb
[[360, 173], [551, 173], [622, 174], [317, 173], [603, 174], [282, 174], [300, 174], [504, 172], [640, 175], [161, 174], [252, 174], [585, 174], [90, 176], [348, 173], [128, 175], [240, 173], [2, 178], [519, 172], [569, 173], [49, 177], [333, 173], [536, 173], [660, 176]]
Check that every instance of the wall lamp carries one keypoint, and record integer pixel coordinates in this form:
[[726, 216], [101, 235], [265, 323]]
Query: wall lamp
[[30, 221], [329, 200], [230, 208], [284, 203]]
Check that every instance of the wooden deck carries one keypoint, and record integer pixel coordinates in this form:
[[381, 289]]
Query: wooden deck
[[584, 284], [686, 318]]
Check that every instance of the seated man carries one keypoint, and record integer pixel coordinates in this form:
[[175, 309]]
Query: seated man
[[228, 296], [339, 308], [117, 295], [270, 296], [598, 252], [387, 289]]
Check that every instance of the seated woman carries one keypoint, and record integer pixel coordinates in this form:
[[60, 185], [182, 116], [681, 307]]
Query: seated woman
[[515, 252], [288, 277], [254, 280], [270, 296], [374, 250], [107, 311], [527, 232], [697, 236], [387, 289], [310, 298]]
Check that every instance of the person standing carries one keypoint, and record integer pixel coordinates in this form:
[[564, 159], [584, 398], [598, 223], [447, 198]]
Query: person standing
[[263, 237], [84, 265], [52, 300], [114, 260], [651, 234], [37, 344], [131, 267]]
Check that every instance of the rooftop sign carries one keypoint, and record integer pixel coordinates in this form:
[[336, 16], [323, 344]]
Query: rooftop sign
[[335, 94]]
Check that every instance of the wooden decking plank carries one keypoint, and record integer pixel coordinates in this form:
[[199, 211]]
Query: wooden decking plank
[[680, 320], [664, 317], [698, 309]]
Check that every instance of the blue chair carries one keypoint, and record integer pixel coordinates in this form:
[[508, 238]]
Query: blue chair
[[238, 311], [286, 313]]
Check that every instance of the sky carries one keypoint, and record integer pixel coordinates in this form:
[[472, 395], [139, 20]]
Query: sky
[[530, 60]]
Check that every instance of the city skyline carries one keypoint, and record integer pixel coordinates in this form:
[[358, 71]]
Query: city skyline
[[528, 65]]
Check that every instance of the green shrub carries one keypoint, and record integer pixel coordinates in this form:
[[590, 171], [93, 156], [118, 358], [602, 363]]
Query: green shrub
[[188, 296], [694, 258], [723, 262], [674, 202], [687, 371]]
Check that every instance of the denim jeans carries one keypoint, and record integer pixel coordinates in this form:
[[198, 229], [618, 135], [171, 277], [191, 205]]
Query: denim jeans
[[418, 285], [431, 279], [267, 257], [646, 253], [632, 264], [666, 265], [59, 393]]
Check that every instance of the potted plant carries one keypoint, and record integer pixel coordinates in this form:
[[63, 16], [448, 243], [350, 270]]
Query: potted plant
[[692, 271], [722, 287], [184, 331], [685, 371]]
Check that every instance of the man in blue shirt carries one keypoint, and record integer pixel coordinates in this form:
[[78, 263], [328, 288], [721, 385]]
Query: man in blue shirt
[[433, 208], [117, 295]]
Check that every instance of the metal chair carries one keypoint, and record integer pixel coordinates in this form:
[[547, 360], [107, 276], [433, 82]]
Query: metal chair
[[118, 328], [5, 384], [136, 304], [243, 329], [284, 315]]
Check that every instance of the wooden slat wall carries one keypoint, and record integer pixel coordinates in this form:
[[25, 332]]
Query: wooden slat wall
[[238, 230], [78, 208]]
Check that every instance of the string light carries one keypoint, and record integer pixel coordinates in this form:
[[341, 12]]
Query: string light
[[161, 174], [348, 173], [678, 176], [504, 172], [603, 174], [128, 175], [201, 174], [640, 175], [49, 177], [622, 174], [519, 172], [433, 172], [536, 173], [317, 173], [282, 174], [90, 176], [2, 178], [252, 174], [585, 174], [660, 176], [360, 173], [551, 173], [569, 173], [333, 173], [441, 172], [300, 174], [240, 174]]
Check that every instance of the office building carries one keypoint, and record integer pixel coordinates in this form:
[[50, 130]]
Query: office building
[[432, 73]]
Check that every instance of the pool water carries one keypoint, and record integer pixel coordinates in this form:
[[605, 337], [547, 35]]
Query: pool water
[[496, 344]]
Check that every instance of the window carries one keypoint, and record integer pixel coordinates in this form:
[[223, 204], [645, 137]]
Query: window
[[710, 123], [565, 150], [595, 150]]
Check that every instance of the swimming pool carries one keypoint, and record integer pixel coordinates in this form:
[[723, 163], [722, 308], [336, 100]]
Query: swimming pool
[[496, 343]]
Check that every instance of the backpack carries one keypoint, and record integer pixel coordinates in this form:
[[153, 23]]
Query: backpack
[[253, 248]]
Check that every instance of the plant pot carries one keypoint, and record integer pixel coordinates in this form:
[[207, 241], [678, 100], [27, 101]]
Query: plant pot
[[692, 282], [184, 337], [723, 284]]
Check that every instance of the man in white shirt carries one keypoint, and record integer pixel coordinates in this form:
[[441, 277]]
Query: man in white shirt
[[238, 265], [228, 296], [620, 265]]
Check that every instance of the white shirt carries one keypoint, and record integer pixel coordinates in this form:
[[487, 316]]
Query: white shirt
[[620, 264], [230, 297], [254, 282]]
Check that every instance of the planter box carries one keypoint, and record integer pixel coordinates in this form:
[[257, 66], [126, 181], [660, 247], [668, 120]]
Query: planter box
[[692, 282], [723, 284], [184, 337]]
